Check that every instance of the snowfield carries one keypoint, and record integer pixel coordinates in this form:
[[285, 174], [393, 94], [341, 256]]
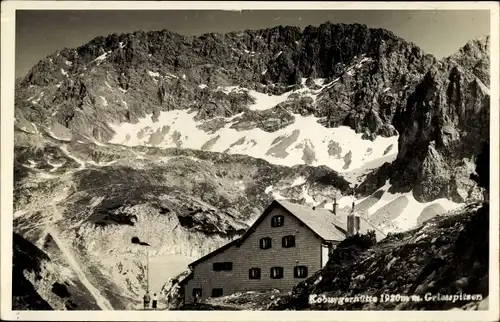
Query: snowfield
[[401, 211], [303, 142]]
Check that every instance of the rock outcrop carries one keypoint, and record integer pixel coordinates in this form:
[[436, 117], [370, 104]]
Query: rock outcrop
[[443, 127], [445, 255]]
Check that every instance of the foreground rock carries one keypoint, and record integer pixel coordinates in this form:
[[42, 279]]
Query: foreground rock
[[447, 255]]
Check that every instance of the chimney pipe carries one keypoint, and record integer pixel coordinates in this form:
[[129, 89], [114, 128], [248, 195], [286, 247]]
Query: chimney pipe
[[356, 223], [350, 224], [351, 221], [335, 206]]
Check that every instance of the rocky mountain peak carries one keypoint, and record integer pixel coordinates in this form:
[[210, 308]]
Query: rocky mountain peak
[[320, 48], [475, 57], [444, 125]]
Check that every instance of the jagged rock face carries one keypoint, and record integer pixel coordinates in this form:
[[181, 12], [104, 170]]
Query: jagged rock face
[[474, 57], [43, 282], [442, 129], [121, 78], [26, 257]]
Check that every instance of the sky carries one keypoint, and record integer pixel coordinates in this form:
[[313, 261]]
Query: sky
[[41, 32]]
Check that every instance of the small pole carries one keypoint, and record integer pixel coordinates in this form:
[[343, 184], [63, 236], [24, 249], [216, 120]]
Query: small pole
[[147, 268]]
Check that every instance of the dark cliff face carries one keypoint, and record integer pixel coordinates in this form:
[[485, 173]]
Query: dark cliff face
[[372, 70], [443, 128], [316, 52], [26, 256]]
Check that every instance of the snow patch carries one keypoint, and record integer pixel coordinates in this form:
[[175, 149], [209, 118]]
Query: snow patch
[[64, 149], [32, 164], [319, 81], [55, 166], [298, 181], [202, 86], [153, 74], [37, 100], [264, 72], [308, 198], [102, 57], [408, 217], [363, 61], [482, 86], [68, 63], [230, 89], [330, 85], [45, 175], [65, 73], [52, 134], [20, 213], [104, 101], [95, 141], [266, 101]]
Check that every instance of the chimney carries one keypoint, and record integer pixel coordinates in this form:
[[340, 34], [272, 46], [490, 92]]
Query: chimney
[[351, 221], [350, 224], [314, 207], [335, 206], [356, 223]]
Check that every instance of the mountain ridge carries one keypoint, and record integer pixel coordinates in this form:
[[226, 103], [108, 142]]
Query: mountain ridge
[[316, 60]]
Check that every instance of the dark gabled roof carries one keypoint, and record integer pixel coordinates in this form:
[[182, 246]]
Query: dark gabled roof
[[323, 224]]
